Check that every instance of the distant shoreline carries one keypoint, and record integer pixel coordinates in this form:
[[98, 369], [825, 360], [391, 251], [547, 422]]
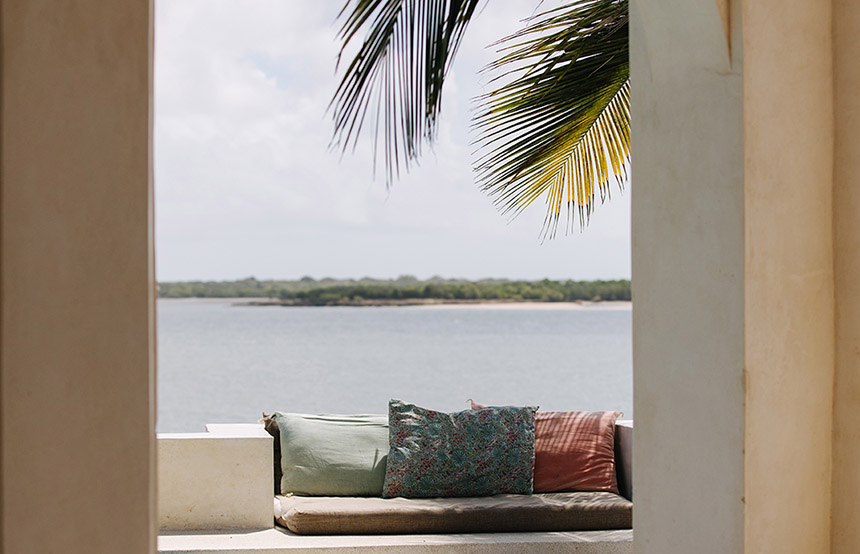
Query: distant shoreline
[[507, 304], [403, 291]]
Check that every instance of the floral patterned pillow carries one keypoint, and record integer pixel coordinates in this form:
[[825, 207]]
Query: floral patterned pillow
[[469, 453]]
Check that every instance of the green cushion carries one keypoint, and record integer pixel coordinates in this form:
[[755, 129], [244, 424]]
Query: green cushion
[[333, 455]]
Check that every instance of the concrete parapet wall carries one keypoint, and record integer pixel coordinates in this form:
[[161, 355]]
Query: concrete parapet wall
[[624, 457], [221, 479]]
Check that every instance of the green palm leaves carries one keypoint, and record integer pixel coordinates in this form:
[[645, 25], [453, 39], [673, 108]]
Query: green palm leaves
[[398, 71], [557, 127], [562, 120]]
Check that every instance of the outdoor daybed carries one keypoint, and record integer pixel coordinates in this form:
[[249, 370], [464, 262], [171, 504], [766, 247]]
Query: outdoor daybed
[[332, 476]]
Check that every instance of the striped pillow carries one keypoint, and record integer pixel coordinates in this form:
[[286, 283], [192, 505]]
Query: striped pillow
[[574, 451]]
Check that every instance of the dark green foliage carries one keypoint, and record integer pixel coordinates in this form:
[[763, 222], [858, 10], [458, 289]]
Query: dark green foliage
[[559, 125], [327, 292]]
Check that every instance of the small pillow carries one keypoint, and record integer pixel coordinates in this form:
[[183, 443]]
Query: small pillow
[[469, 453], [574, 451], [332, 455]]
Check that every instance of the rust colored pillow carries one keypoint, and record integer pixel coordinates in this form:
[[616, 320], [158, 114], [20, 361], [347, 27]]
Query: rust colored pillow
[[574, 451]]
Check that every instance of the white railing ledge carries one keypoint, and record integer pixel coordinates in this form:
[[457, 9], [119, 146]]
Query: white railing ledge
[[222, 431], [279, 541], [221, 479], [237, 429]]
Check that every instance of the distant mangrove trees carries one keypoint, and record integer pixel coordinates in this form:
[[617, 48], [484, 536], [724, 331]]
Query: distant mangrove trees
[[403, 290]]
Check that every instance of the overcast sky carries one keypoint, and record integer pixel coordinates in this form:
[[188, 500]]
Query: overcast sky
[[246, 185]]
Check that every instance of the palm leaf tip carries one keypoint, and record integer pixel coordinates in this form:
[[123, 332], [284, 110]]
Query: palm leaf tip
[[395, 80], [558, 126]]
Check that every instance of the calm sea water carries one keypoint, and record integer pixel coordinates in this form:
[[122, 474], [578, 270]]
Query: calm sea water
[[220, 363]]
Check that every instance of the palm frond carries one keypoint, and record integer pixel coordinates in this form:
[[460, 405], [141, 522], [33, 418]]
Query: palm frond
[[397, 75], [559, 125]]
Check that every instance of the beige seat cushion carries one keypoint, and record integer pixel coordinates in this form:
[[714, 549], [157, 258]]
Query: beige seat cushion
[[565, 511]]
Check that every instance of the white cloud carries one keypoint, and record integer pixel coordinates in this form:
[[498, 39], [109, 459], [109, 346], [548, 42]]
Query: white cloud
[[246, 183]]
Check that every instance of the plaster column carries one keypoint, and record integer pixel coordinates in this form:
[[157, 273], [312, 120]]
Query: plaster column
[[789, 333], [846, 207], [76, 278], [733, 275], [688, 277]]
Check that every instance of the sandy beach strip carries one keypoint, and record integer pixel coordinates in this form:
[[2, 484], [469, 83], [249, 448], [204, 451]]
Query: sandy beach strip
[[429, 304], [608, 305]]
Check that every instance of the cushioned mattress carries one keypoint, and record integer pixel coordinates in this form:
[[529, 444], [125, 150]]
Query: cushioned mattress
[[566, 511]]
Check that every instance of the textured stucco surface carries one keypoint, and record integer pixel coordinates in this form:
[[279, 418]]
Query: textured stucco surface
[[687, 187], [775, 133], [789, 274], [76, 278], [846, 206]]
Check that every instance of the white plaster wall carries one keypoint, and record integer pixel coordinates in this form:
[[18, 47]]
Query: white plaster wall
[[217, 480], [688, 278]]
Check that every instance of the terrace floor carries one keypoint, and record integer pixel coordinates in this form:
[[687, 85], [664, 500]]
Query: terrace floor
[[281, 541]]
